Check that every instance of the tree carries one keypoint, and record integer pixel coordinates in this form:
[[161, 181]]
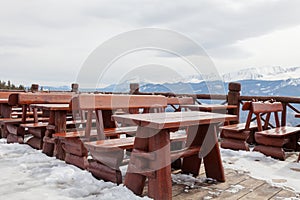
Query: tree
[[10, 86]]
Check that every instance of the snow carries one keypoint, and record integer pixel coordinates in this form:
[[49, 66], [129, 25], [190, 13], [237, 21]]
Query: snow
[[276, 172], [263, 73], [26, 173]]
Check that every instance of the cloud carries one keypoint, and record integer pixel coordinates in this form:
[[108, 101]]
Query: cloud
[[53, 36]]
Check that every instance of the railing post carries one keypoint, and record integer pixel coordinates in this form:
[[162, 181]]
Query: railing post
[[233, 98], [134, 88], [34, 88], [283, 114], [75, 87]]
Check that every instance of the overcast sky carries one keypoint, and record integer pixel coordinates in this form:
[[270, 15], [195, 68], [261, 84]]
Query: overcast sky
[[47, 41]]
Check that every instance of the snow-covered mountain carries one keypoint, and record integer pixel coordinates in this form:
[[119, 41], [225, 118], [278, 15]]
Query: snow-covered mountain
[[263, 73]]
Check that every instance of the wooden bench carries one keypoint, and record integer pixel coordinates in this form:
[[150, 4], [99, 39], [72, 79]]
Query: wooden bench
[[110, 153], [38, 130], [10, 128], [177, 102], [103, 107], [5, 109], [238, 136], [24, 100], [272, 142]]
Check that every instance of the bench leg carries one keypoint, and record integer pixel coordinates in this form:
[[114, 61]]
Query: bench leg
[[271, 146], [104, 172], [275, 152], [78, 161], [48, 146], [228, 143]]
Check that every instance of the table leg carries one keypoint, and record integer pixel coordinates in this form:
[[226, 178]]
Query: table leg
[[191, 165], [204, 136], [213, 162], [48, 146], [134, 180], [60, 126], [160, 185], [150, 158]]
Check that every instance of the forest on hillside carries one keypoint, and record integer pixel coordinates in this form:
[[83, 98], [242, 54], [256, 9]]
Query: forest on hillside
[[10, 86]]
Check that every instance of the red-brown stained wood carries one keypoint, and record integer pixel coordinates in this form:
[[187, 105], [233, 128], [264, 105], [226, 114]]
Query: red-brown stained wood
[[37, 132], [35, 142], [160, 186], [229, 143], [273, 151], [261, 107], [110, 102], [134, 181], [180, 100], [105, 173], [79, 161], [74, 146], [40, 98]]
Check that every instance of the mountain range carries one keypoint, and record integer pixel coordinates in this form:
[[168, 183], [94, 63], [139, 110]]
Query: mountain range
[[255, 81]]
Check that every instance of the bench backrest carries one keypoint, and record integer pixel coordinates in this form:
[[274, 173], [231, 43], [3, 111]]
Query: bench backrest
[[103, 104], [180, 100], [39, 98], [5, 95], [260, 108], [247, 106], [176, 102], [112, 102]]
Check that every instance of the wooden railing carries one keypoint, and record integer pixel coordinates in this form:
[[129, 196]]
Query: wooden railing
[[233, 97]]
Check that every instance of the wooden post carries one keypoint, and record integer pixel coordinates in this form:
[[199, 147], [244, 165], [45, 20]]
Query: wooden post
[[75, 87], [283, 114], [34, 88], [134, 88], [233, 98]]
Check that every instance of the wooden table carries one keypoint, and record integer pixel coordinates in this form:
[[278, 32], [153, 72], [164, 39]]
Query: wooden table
[[151, 153], [209, 107], [57, 122]]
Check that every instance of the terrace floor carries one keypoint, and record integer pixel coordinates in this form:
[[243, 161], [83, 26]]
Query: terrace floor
[[238, 185]]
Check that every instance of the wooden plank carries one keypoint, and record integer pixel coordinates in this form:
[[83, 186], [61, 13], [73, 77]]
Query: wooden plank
[[40, 98], [180, 100], [285, 194], [173, 119], [261, 107], [279, 132], [265, 191], [110, 102], [238, 190]]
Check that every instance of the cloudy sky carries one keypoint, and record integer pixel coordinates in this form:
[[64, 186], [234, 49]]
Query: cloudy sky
[[48, 41]]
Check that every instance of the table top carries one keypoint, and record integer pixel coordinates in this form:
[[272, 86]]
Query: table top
[[173, 119], [3, 100], [53, 107], [209, 107]]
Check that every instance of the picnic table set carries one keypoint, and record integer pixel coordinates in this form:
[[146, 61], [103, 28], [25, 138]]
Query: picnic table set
[[101, 132]]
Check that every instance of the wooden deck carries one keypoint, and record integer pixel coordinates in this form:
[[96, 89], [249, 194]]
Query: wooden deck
[[238, 185]]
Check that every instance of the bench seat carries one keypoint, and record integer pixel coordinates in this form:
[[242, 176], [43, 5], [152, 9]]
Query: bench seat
[[238, 127], [109, 132], [45, 124], [125, 143], [108, 155], [279, 132], [236, 137], [271, 142]]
